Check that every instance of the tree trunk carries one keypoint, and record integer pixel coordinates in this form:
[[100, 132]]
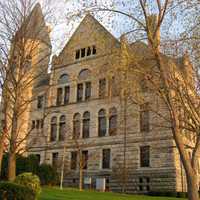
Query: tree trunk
[[12, 166], [192, 185], [81, 179], [1, 154]]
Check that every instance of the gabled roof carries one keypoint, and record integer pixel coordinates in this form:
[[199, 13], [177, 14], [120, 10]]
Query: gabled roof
[[90, 18]]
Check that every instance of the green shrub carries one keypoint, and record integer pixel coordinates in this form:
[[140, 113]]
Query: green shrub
[[29, 180], [48, 175], [23, 164], [13, 191]]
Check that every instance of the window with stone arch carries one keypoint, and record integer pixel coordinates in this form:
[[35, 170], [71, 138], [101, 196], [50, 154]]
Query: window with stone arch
[[64, 78], [86, 124], [62, 128], [102, 123], [84, 87], [76, 125], [53, 134], [112, 121], [84, 74]]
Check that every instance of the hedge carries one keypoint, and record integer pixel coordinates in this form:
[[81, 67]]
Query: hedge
[[14, 191]]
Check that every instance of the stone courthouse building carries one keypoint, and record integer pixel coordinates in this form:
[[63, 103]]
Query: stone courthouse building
[[78, 109]]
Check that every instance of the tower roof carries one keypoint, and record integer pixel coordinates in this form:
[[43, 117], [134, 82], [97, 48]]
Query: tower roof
[[34, 26]]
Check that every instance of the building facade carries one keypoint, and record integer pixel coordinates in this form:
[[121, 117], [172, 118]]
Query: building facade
[[78, 110]]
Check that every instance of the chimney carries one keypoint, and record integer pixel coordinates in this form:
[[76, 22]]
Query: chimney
[[152, 22]]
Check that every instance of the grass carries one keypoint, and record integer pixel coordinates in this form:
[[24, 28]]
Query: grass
[[52, 193]]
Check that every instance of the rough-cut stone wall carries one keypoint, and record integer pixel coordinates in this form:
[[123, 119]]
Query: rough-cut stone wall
[[163, 173]]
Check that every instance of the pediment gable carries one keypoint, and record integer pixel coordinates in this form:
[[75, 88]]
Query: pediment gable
[[88, 34]]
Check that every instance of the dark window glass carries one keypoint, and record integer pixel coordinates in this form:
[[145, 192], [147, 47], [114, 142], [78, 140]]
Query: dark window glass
[[38, 157], [86, 125], [85, 159], [102, 88], [114, 87], [62, 128], [94, 51], [79, 92], [53, 129], [41, 123], [102, 125], [87, 90], [33, 124], [55, 160], [66, 95], [106, 159], [73, 160], [37, 123], [59, 96], [145, 156], [113, 121], [82, 52], [144, 118], [77, 54], [88, 51], [76, 126], [40, 102]]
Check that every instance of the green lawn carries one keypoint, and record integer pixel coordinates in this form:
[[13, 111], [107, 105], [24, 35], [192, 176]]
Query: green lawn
[[73, 194]]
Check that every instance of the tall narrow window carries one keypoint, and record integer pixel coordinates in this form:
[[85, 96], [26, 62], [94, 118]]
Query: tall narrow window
[[102, 88], [145, 156], [53, 129], [88, 51], [41, 123], [76, 126], [77, 54], [37, 124], [82, 52], [144, 117], [106, 159], [85, 159], [114, 87], [102, 125], [86, 125], [79, 92], [59, 97], [113, 121], [87, 90], [55, 160], [66, 95], [33, 124], [94, 50], [40, 101], [62, 128], [73, 160]]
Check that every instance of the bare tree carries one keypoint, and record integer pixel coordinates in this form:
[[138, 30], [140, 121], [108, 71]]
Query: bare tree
[[177, 90], [25, 55]]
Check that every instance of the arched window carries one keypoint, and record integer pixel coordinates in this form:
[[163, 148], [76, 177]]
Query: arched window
[[64, 78], [76, 125], [62, 128], [86, 124], [84, 74], [102, 125], [113, 121], [53, 129]]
